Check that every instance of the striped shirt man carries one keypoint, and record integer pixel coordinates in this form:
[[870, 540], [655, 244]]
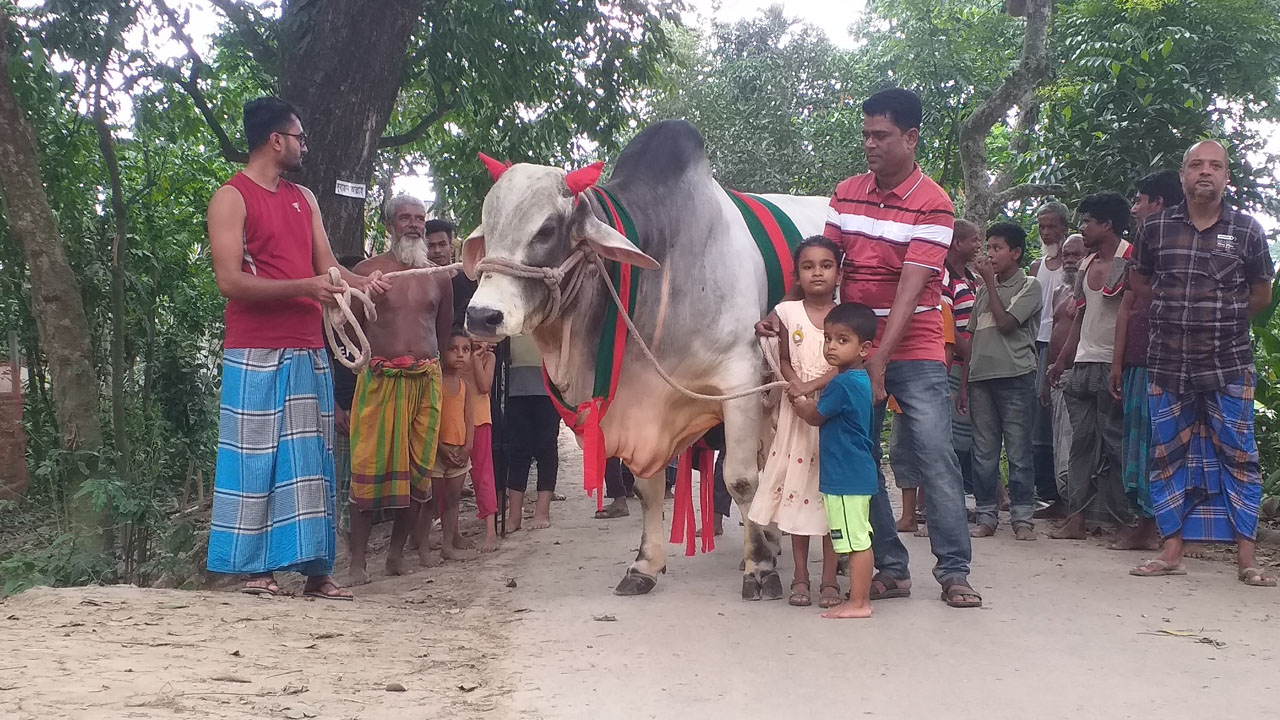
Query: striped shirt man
[[880, 231]]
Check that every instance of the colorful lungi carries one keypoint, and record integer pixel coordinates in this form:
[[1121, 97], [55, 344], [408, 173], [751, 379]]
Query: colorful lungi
[[1137, 439], [1205, 478], [395, 421], [273, 497]]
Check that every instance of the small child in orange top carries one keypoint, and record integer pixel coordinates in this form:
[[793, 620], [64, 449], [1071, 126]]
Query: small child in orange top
[[453, 454]]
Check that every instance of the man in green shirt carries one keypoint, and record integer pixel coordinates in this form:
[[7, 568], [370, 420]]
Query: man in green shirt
[[1000, 382]]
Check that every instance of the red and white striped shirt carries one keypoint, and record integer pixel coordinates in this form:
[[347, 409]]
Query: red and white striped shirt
[[880, 232]]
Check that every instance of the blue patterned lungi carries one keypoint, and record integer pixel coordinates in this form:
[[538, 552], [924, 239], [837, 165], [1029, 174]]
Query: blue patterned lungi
[[273, 501], [1205, 478]]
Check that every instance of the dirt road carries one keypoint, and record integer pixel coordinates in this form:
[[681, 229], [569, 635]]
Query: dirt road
[[1066, 633]]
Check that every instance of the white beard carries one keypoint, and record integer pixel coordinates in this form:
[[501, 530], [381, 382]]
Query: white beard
[[411, 251]]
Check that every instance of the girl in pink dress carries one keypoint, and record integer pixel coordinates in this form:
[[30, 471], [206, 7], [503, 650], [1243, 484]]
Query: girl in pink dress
[[788, 493]]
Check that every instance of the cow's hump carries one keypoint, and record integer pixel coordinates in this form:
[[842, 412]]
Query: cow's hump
[[661, 154]]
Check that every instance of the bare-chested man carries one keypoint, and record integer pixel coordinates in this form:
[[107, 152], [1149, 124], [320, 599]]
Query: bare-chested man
[[395, 414], [1064, 315]]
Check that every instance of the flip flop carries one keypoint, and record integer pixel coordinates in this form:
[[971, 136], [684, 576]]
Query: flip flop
[[952, 591], [1160, 568], [270, 588], [612, 511], [328, 590], [1255, 577], [892, 588]]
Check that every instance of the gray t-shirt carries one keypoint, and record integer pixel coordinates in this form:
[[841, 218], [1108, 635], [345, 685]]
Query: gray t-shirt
[[1000, 355]]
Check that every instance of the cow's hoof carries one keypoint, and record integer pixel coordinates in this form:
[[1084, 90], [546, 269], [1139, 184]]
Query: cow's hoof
[[750, 588], [635, 583], [770, 586]]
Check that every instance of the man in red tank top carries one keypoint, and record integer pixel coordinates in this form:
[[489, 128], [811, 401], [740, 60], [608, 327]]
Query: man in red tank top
[[274, 506]]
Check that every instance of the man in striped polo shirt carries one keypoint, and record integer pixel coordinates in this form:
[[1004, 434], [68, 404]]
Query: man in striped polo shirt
[[895, 226]]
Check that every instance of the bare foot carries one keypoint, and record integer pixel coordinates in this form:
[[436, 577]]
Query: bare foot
[[395, 565], [981, 531], [1136, 540], [1024, 533], [540, 522], [449, 553], [908, 524], [436, 541], [490, 544], [514, 527], [428, 560], [923, 531], [848, 609], [1073, 529], [359, 576], [462, 543]]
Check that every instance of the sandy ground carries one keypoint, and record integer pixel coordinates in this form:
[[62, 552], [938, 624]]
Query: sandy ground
[[534, 632]]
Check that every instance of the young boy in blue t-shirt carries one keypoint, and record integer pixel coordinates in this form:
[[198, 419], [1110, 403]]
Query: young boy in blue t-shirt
[[846, 453]]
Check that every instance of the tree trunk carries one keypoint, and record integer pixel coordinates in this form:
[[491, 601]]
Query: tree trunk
[[985, 197], [342, 65], [119, 249], [55, 297]]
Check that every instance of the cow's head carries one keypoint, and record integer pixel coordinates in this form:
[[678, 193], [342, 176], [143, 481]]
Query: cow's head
[[533, 216]]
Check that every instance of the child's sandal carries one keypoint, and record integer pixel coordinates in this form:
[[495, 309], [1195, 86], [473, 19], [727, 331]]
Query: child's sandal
[[800, 597], [829, 599]]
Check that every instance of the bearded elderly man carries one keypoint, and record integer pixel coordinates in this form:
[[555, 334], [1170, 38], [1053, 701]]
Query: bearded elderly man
[[395, 414]]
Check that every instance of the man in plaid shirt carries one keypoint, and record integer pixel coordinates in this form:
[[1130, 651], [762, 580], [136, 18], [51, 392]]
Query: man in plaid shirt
[[1207, 270]]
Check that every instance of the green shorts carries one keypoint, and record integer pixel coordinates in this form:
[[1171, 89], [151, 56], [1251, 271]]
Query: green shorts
[[849, 518]]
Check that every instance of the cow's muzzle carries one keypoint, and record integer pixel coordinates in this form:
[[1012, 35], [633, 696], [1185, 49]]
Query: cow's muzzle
[[483, 322]]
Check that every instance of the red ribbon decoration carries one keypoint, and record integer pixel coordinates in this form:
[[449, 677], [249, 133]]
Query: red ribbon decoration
[[683, 521], [583, 178], [495, 167]]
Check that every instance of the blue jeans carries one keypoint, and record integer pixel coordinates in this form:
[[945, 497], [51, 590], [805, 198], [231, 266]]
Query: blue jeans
[[1002, 409], [920, 387]]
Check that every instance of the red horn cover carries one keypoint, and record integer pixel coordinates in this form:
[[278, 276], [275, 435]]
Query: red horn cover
[[583, 178], [495, 167]]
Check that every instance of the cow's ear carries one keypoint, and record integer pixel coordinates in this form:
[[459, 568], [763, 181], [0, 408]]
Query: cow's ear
[[472, 251], [607, 242]]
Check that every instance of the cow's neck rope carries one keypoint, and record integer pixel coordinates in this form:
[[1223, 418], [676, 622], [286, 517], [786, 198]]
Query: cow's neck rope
[[337, 317]]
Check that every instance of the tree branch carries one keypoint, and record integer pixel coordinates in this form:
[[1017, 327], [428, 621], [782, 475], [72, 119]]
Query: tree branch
[[1033, 65], [1026, 190], [192, 86], [245, 19], [422, 126]]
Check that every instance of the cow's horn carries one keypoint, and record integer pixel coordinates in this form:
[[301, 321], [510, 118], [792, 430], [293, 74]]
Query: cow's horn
[[495, 167], [583, 178]]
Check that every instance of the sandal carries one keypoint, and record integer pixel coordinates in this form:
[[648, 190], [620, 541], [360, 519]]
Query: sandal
[[954, 592], [800, 598], [1156, 567], [889, 587], [612, 511], [829, 599], [329, 590], [261, 586], [1255, 577]]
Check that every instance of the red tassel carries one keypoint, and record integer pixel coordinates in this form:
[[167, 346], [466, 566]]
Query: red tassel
[[593, 459], [583, 178], [495, 167], [682, 522], [706, 476]]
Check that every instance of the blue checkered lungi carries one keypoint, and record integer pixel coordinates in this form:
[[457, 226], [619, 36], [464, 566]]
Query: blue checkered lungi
[[1205, 479], [273, 499]]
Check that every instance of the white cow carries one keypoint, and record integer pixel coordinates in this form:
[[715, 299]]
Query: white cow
[[702, 287]]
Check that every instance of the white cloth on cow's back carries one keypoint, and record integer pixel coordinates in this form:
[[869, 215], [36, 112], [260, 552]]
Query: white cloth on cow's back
[[788, 492]]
